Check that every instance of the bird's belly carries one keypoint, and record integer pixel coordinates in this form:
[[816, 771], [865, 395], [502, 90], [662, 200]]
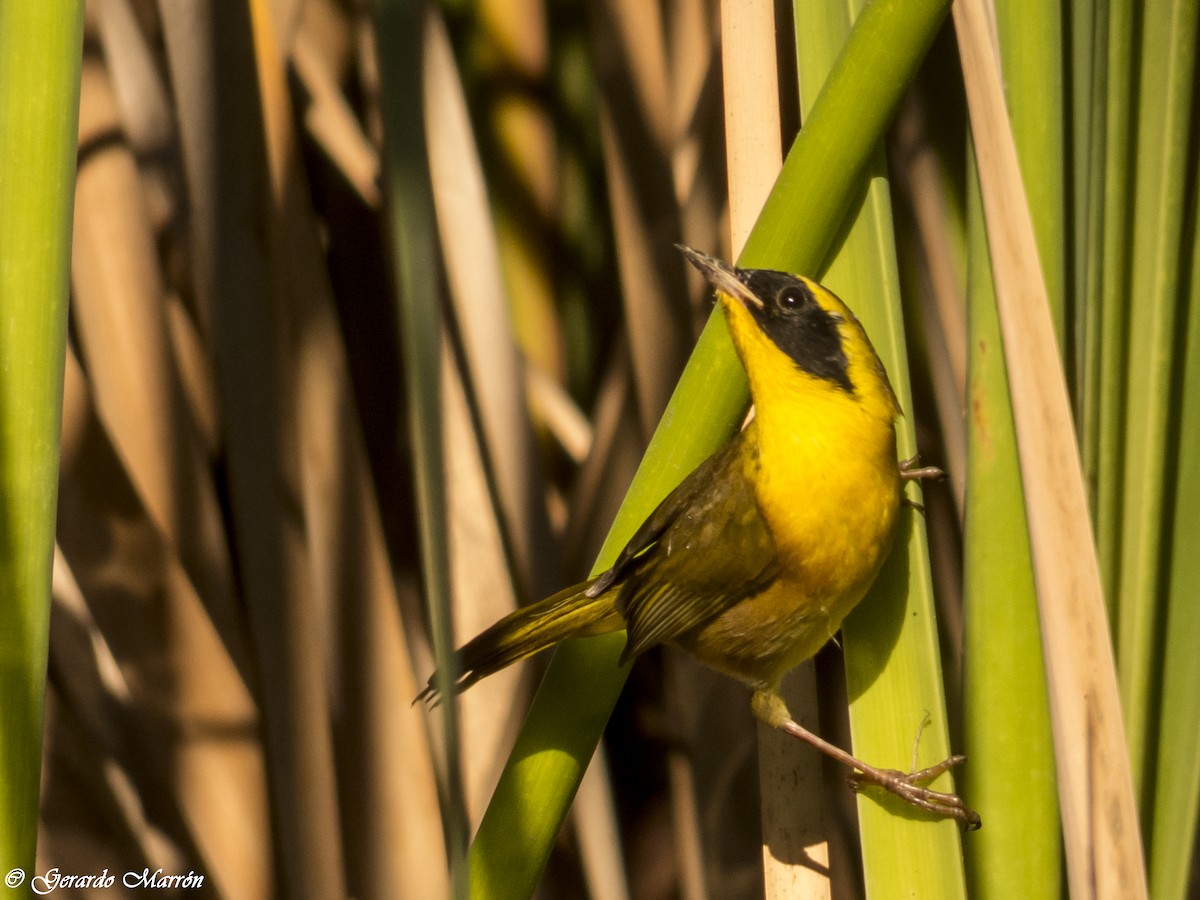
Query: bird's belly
[[763, 637]]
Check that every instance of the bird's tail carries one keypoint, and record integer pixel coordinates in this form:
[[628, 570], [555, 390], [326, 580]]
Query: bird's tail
[[530, 629]]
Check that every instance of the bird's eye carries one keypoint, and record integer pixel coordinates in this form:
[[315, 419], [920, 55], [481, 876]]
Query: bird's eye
[[793, 298]]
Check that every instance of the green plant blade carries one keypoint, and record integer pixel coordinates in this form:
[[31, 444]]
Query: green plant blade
[[1030, 38], [1172, 833], [1162, 154], [1109, 292], [401, 34], [1006, 710], [40, 47]]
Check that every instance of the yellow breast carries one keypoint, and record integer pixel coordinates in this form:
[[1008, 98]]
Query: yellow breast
[[827, 481], [831, 497]]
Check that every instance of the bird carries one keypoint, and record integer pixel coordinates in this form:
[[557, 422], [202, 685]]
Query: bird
[[754, 560]]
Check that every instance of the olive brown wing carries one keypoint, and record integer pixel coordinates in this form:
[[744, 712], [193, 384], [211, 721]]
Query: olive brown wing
[[705, 549]]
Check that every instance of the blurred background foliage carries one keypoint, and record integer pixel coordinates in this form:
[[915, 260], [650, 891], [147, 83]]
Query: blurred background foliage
[[373, 312]]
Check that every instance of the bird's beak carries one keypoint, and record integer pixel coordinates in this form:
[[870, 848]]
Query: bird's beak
[[723, 277]]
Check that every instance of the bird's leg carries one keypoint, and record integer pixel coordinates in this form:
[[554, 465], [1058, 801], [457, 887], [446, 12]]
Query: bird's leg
[[770, 709], [912, 470]]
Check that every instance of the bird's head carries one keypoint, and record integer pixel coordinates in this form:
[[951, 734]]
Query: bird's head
[[789, 329]]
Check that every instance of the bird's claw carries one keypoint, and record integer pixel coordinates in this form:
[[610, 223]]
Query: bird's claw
[[911, 788]]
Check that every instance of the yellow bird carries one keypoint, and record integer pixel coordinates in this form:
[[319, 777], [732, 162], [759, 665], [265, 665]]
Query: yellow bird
[[752, 563]]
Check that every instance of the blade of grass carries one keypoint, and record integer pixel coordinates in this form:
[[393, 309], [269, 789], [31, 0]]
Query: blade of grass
[[1172, 835], [613, 456], [1029, 33], [1111, 294], [795, 231], [1099, 814], [1090, 97], [1084, 30], [1006, 707], [40, 46], [401, 34], [1166, 99], [1005, 714], [691, 66], [600, 837], [143, 97]]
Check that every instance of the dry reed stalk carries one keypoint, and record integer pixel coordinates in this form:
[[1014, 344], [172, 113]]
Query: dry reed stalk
[[481, 316], [481, 589], [638, 143], [391, 838], [190, 743], [210, 51], [120, 319]]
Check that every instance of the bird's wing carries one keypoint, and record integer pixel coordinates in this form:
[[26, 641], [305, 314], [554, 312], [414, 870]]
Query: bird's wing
[[686, 496], [711, 549]]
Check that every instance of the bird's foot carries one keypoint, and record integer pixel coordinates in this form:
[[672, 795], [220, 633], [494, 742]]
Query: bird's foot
[[912, 470], [769, 708], [911, 788]]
